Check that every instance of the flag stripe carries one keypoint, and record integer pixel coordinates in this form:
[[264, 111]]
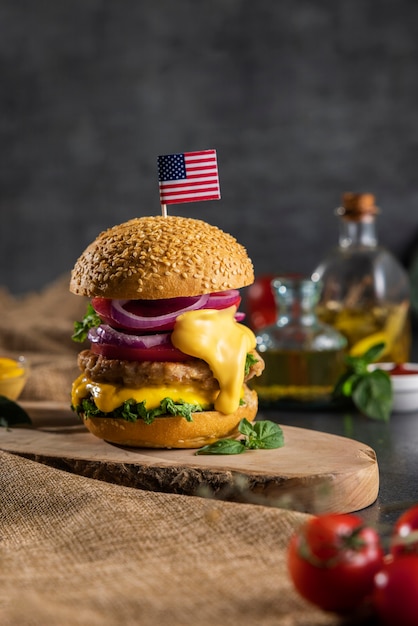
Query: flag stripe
[[211, 161], [203, 170], [211, 180], [200, 154], [178, 190], [189, 196], [196, 164], [194, 176], [197, 189], [187, 190]]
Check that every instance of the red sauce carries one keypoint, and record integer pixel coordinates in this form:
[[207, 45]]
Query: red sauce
[[401, 370]]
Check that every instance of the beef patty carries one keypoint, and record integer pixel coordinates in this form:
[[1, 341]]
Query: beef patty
[[146, 373]]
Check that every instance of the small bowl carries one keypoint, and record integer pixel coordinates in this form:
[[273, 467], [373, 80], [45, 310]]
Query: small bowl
[[404, 379], [13, 376]]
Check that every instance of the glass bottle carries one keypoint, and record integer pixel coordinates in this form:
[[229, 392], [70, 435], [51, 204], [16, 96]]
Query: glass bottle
[[365, 290], [303, 357]]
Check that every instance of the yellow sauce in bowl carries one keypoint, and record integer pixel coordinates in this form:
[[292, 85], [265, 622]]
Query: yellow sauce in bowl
[[13, 375]]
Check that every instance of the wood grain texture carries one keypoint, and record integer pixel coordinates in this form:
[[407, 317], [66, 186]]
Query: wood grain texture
[[314, 471]]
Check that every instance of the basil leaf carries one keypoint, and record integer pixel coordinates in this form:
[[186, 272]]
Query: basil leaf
[[342, 386], [12, 414], [373, 353], [223, 446], [369, 391], [349, 384], [263, 435], [372, 395], [267, 436], [245, 427]]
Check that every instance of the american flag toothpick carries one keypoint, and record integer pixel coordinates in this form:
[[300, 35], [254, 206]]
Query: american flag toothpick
[[188, 177]]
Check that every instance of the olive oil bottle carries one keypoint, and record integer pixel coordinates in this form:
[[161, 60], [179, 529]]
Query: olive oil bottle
[[365, 290], [303, 357]]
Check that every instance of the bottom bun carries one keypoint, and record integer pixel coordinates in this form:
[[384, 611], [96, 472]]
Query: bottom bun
[[174, 432]]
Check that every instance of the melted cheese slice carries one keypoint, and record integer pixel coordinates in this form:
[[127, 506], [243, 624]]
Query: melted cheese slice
[[108, 397], [218, 339]]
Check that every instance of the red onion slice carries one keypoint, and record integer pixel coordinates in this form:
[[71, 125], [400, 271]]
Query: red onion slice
[[127, 319], [105, 334], [113, 344], [223, 299], [159, 315]]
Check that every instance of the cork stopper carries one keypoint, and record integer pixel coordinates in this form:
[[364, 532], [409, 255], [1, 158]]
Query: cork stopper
[[355, 206]]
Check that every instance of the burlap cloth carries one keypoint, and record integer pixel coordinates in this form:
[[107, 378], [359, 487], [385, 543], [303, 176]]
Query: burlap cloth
[[75, 551]]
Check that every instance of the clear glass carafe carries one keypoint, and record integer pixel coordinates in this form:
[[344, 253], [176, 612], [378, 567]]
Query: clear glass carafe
[[365, 290], [303, 357]]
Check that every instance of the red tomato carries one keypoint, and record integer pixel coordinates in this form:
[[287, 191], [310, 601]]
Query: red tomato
[[332, 561], [395, 596], [404, 538], [157, 353], [102, 308]]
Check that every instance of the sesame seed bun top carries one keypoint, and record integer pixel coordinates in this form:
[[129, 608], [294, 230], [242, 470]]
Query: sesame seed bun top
[[161, 257]]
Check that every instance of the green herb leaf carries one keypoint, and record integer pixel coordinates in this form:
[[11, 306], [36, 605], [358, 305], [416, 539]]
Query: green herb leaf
[[369, 390], [249, 361], [349, 383], [245, 427], [261, 435], [372, 395], [12, 414], [373, 353], [131, 410], [223, 446], [359, 364], [90, 320], [267, 436], [169, 407], [343, 386]]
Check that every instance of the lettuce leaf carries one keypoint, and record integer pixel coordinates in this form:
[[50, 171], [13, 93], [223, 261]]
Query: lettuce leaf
[[131, 410]]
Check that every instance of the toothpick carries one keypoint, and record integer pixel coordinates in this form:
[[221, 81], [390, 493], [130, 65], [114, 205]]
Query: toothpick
[[164, 210]]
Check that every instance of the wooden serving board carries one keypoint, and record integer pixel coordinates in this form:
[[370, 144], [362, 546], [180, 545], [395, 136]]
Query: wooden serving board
[[314, 472]]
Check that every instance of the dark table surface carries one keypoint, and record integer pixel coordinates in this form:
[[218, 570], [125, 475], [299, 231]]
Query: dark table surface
[[395, 444]]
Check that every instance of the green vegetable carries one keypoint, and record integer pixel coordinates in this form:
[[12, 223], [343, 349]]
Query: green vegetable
[[249, 361], [90, 320], [263, 435], [369, 390], [223, 446], [11, 414], [131, 410], [169, 407]]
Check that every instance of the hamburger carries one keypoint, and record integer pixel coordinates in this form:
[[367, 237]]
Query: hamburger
[[168, 358]]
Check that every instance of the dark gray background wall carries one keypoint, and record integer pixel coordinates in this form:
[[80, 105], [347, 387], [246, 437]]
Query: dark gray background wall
[[303, 100]]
